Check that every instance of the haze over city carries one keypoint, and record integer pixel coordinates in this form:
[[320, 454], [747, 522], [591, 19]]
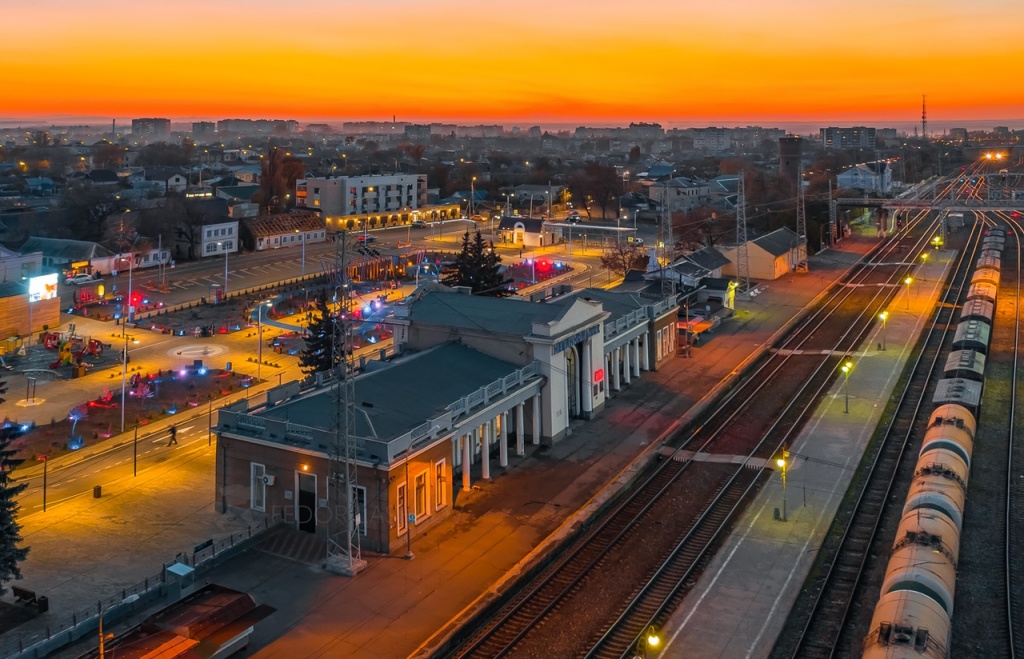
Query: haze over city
[[555, 64]]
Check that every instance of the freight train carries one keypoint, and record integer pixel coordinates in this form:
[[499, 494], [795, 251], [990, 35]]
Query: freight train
[[913, 616]]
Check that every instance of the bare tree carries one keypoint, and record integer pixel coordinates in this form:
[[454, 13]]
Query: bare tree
[[623, 257]]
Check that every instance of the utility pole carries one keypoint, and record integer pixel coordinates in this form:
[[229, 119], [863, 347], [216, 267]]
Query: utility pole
[[801, 224], [742, 257], [668, 286], [343, 552]]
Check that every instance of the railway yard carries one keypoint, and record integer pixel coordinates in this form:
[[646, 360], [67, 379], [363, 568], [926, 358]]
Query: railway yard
[[632, 581]]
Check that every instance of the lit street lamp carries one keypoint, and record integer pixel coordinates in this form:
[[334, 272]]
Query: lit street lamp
[[908, 281], [783, 465], [650, 641], [259, 336], [847, 367], [883, 317], [225, 248]]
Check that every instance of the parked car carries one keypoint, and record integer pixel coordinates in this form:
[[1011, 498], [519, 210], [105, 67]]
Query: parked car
[[78, 280], [418, 224]]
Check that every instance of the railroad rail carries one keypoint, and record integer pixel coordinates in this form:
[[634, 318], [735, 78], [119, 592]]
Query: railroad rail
[[889, 463], [792, 377]]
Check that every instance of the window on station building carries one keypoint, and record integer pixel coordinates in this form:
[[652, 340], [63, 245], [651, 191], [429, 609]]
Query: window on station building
[[258, 487], [421, 494], [440, 478], [402, 509]]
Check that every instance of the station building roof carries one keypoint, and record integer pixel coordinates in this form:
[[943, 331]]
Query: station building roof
[[392, 401]]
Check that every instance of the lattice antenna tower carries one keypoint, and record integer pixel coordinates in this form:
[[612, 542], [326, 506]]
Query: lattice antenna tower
[[801, 223], [343, 550], [742, 257], [668, 284], [924, 117]]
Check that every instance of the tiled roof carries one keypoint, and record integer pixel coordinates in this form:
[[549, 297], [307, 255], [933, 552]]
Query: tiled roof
[[276, 225]]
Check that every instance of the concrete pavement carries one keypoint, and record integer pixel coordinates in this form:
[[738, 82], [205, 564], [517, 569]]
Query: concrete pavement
[[495, 530]]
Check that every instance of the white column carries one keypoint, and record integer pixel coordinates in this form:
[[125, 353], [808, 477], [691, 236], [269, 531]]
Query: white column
[[536, 419], [616, 380], [520, 433], [465, 463], [588, 378], [635, 344], [503, 439], [485, 450], [627, 368], [645, 357]]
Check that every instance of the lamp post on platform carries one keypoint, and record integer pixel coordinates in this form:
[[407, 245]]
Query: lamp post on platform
[[883, 317], [847, 367]]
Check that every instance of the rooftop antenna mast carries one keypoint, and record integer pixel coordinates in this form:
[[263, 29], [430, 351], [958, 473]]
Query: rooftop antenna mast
[[742, 257], [343, 551]]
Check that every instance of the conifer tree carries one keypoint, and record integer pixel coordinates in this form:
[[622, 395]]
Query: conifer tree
[[11, 553], [320, 353], [478, 267]]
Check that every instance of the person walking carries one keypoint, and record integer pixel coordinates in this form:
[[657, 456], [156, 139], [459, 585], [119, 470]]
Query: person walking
[[174, 436]]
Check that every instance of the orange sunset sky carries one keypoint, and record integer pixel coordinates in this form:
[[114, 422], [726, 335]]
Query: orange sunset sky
[[494, 61]]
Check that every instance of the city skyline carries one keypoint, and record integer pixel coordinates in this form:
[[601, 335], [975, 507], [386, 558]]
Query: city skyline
[[797, 62]]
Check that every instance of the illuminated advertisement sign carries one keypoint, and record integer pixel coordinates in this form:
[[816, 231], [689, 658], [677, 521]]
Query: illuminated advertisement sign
[[43, 287]]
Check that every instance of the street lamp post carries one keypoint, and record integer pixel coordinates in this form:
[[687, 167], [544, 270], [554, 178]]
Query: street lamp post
[[908, 281], [847, 367], [124, 322], [472, 195], [783, 465], [883, 317], [28, 292], [225, 248], [259, 336], [44, 459]]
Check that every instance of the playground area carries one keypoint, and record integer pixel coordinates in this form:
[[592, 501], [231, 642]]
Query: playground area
[[148, 397]]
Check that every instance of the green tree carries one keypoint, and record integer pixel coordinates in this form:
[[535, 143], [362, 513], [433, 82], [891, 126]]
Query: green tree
[[320, 354], [478, 266], [11, 553]]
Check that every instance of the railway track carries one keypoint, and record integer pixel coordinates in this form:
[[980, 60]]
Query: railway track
[[771, 402], [995, 498], [826, 631]]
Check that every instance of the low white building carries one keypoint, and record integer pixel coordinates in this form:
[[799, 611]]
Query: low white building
[[869, 176], [219, 238], [770, 256]]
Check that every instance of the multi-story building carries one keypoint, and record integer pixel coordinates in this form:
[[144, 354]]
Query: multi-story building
[[958, 136], [854, 137], [153, 130], [711, 139], [203, 128], [417, 132], [363, 202], [682, 194], [257, 126]]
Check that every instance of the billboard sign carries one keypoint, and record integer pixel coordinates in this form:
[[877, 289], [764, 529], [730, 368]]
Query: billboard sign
[[43, 287]]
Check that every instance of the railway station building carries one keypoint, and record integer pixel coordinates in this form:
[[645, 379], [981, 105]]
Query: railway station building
[[475, 379]]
